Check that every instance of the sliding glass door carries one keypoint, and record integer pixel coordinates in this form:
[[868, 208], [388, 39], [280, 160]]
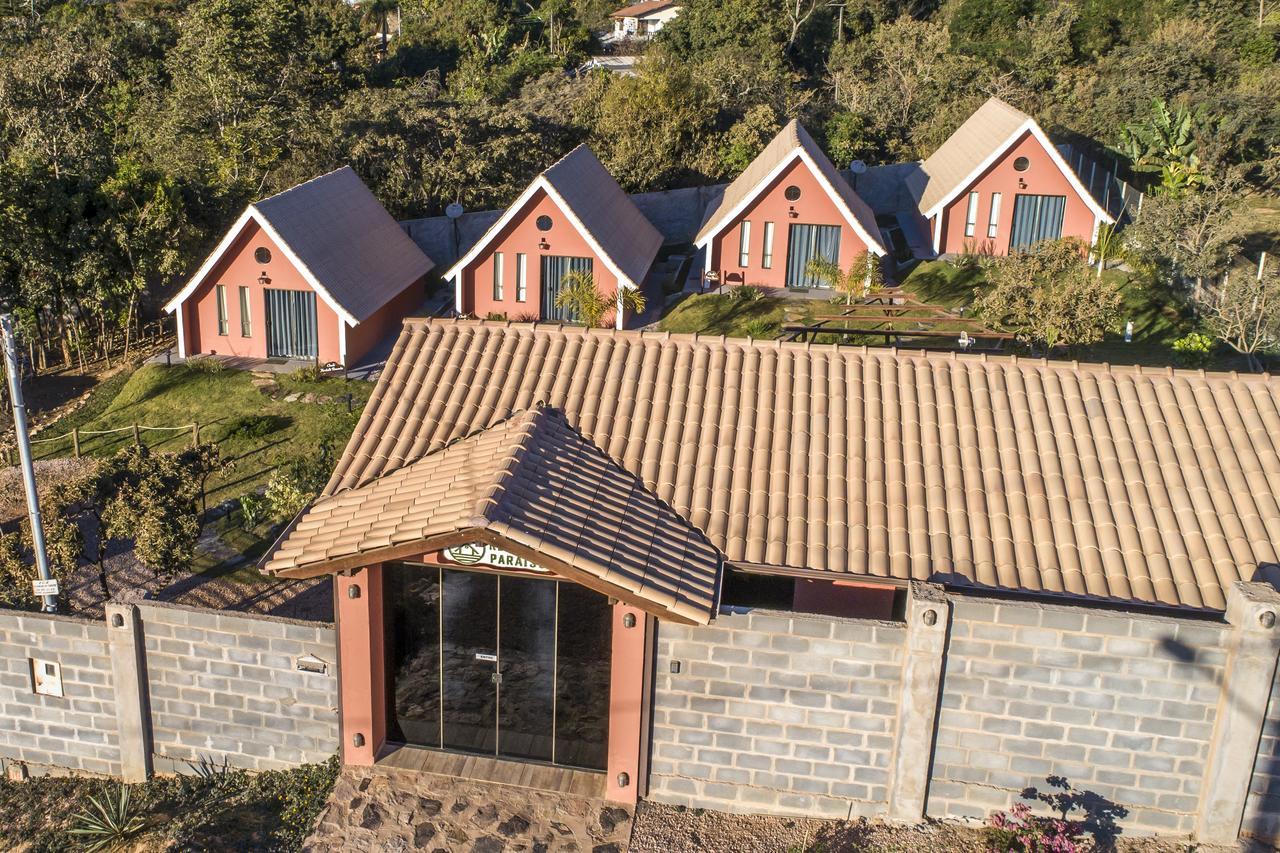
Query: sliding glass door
[[291, 324], [502, 665], [554, 269], [806, 242], [1036, 218]]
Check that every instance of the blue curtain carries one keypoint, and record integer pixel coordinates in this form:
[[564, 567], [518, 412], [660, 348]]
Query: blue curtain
[[1036, 218], [554, 269], [291, 324], [805, 242]]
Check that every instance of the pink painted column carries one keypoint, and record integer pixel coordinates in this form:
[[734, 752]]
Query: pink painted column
[[361, 664], [627, 703]]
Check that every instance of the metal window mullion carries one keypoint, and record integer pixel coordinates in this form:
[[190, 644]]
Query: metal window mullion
[[555, 671], [440, 649], [497, 666]]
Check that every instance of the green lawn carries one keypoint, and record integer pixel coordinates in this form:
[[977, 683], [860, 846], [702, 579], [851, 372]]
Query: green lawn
[[943, 284], [722, 314], [255, 431]]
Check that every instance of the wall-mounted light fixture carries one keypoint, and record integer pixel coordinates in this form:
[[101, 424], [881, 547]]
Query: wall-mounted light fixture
[[930, 617], [624, 779], [791, 212], [1267, 619], [357, 740], [353, 591], [117, 620], [628, 620], [543, 245], [264, 279]]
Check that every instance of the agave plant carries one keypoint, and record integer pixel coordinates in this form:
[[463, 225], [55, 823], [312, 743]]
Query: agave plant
[[110, 821]]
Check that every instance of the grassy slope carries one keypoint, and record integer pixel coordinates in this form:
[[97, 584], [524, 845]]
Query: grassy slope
[[221, 403], [718, 314]]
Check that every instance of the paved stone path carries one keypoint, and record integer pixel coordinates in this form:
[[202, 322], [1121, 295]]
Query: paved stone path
[[377, 809]]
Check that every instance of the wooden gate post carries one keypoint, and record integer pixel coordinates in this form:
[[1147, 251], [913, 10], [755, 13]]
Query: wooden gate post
[[75, 441], [137, 436]]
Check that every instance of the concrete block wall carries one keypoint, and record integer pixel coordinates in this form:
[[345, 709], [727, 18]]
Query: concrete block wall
[[226, 686], [776, 712], [1119, 705], [1262, 808], [76, 731]]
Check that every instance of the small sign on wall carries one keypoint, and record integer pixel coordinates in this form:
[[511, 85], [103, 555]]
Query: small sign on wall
[[481, 554], [46, 677]]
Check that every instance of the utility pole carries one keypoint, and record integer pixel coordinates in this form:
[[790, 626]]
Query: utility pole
[[24, 454]]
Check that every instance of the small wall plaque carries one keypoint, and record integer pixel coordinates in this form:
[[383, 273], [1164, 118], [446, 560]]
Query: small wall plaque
[[311, 663]]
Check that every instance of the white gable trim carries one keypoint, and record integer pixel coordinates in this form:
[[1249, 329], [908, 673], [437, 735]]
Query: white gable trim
[[454, 272], [251, 213], [1027, 126], [873, 245]]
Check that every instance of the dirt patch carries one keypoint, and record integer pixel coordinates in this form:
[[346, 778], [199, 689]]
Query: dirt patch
[[663, 829]]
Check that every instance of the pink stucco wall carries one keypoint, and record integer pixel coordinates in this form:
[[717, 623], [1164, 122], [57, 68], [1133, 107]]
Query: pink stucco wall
[[814, 207], [521, 235], [387, 320], [1042, 177], [237, 268]]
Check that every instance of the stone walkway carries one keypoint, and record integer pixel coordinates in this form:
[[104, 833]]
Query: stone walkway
[[378, 809]]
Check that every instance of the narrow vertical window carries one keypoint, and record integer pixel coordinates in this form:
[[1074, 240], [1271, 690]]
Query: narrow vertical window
[[246, 329], [971, 218], [521, 272], [497, 276], [993, 223], [766, 260], [744, 245], [221, 293]]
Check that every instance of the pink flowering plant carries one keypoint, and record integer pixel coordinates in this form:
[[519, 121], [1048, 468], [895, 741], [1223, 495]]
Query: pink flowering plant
[[1020, 831]]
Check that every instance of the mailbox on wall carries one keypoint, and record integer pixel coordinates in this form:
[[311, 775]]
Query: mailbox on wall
[[46, 677]]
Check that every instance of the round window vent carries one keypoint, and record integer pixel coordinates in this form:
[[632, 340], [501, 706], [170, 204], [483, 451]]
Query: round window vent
[[791, 193], [262, 255], [1021, 164], [543, 222]]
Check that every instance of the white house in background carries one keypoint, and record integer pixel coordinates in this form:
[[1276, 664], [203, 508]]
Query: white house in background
[[642, 20]]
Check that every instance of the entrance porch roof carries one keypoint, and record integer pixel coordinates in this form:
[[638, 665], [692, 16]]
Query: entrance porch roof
[[534, 486]]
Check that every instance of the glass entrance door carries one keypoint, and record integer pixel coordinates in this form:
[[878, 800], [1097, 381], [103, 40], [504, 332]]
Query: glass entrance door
[[497, 664]]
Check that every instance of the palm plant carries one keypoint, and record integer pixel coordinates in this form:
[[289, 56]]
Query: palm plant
[[110, 822], [862, 278], [580, 296], [378, 12]]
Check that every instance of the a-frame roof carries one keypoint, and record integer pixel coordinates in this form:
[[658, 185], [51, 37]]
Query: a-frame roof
[[974, 147], [792, 142], [597, 207], [339, 238], [534, 486]]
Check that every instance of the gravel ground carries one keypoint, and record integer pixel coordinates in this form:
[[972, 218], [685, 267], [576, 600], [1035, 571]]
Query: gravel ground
[[675, 829]]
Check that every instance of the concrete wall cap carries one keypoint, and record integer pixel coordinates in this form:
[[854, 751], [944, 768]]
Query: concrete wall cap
[[1253, 605]]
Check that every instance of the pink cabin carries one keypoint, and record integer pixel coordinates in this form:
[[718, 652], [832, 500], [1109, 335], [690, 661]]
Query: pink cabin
[[788, 207], [573, 216], [998, 184], [319, 272]]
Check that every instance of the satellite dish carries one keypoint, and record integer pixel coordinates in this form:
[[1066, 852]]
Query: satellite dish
[[857, 167], [453, 211]]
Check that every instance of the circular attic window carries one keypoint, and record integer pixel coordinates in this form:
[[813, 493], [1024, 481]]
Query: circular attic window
[[543, 222], [1021, 164], [262, 255], [791, 193]]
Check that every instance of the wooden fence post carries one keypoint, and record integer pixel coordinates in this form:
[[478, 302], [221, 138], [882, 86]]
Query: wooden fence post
[[75, 441], [137, 436], [195, 434]]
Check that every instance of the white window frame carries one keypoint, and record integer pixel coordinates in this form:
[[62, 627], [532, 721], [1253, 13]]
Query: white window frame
[[766, 258], [497, 276], [744, 244], [993, 221], [971, 215], [220, 296], [522, 263], [246, 312]]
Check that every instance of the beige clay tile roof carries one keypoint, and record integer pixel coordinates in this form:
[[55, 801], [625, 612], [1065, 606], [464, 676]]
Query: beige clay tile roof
[[535, 484], [754, 178], [1011, 474], [986, 130]]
